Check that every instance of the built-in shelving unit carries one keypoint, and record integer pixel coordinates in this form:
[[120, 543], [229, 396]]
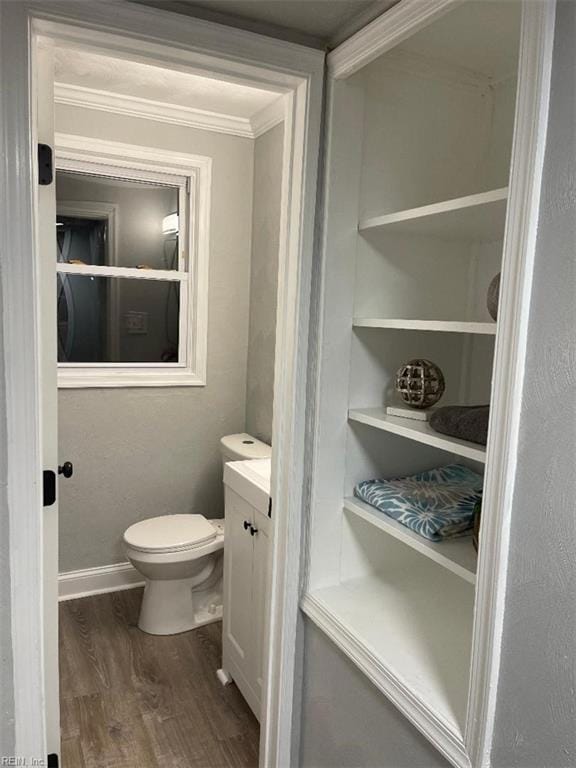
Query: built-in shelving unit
[[474, 217], [457, 555], [417, 206], [410, 641], [420, 431], [444, 326]]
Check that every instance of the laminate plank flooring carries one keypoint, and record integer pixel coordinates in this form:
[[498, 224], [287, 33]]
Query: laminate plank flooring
[[132, 700]]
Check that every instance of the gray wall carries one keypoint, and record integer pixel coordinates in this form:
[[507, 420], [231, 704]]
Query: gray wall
[[144, 452], [536, 714], [264, 282], [347, 723]]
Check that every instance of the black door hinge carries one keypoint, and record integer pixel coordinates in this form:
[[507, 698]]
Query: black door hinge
[[270, 507], [49, 487], [45, 165], [53, 761]]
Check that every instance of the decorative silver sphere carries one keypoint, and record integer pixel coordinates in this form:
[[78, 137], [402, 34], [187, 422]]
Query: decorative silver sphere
[[493, 296], [420, 383]]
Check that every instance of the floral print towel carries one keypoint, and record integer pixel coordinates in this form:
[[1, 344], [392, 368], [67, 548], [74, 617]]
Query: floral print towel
[[437, 504]]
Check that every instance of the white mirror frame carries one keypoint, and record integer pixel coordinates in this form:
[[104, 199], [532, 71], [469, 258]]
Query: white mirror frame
[[187, 172]]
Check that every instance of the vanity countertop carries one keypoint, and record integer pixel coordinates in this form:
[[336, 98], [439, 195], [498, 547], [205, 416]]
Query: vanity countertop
[[251, 480]]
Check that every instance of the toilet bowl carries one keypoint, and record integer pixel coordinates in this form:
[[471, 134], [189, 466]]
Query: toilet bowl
[[180, 556]]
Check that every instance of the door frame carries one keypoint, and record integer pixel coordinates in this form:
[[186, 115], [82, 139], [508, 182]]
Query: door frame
[[187, 44]]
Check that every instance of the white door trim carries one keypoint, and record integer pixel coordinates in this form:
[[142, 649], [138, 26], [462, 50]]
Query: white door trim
[[531, 120], [193, 45], [18, 269]]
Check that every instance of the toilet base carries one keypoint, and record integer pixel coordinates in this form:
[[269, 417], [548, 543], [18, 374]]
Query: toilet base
[[170, 607]]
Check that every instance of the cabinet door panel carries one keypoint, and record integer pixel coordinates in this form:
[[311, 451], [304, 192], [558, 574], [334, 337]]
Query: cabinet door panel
[[238, 555]]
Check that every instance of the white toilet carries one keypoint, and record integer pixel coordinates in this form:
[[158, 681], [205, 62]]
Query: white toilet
[[180, 557]]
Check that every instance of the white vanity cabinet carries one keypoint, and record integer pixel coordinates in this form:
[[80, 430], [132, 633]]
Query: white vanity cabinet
[[435, 128], [246, 575]]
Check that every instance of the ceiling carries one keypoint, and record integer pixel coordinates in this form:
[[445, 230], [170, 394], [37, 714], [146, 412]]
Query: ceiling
[[317, 23], [86, 70], [92, 80]]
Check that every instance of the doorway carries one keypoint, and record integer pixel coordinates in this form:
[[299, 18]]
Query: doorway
[[144, 279], [299, 80]]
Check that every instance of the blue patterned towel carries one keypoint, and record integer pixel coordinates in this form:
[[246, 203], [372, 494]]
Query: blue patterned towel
[[437, 504]]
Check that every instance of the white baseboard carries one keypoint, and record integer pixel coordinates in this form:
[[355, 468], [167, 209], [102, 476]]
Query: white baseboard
[[97, 581]]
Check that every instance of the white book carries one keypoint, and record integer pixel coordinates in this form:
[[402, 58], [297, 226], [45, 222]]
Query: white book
[[406, 412]]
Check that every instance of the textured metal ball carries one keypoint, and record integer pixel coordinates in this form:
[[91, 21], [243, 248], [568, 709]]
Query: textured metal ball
[[420, 383], [493, 296]]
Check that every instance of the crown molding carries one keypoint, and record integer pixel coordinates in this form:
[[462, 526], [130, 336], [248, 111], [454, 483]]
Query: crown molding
[[382, 34], [359, 21], [201, 119], [268, 117]]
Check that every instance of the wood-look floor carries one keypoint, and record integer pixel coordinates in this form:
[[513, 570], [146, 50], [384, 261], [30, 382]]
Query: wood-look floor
[[131, 700]]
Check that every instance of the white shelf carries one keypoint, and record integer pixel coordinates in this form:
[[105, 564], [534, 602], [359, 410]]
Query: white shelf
[[445, 326], [478, 217], [410, 632], [420, 431], [457, 555]]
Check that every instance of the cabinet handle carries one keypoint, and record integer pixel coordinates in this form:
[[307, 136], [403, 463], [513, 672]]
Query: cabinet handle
[[253, 531], [247, 525]]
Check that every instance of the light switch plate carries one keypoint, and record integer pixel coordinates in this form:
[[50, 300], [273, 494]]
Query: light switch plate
[[136, 322]]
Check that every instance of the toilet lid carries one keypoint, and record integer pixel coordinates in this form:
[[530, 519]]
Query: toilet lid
[[170, 533]]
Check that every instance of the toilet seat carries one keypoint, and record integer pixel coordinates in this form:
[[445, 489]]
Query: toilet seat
[[170, 533]]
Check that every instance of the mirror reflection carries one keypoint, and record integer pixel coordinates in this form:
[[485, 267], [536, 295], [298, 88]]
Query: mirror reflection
[[105, 225], [116, 222]]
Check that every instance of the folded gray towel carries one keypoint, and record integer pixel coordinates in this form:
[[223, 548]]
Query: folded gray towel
[[467, 422]]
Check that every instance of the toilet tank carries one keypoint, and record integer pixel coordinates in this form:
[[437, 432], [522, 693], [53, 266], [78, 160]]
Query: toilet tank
[[242, 447]]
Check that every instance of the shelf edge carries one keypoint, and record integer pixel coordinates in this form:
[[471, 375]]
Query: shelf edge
[[434, 209], [354, 507], [469, 451], [433, 726], [439, 326]]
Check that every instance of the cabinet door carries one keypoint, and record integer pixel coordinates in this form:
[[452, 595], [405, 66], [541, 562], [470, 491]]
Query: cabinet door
[[238, 606], [260, 581]]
